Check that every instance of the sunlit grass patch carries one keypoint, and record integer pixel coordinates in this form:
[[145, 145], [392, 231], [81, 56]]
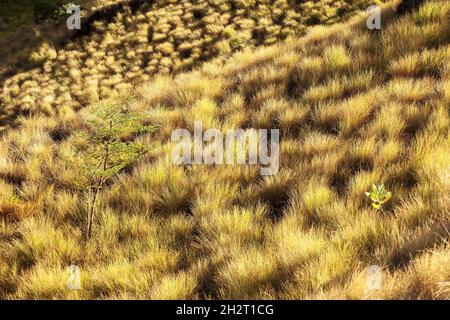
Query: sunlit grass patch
[[355, 109]]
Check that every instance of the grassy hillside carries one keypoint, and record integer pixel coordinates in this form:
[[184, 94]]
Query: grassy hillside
[[127, 42], [354, 108], [24, 28]]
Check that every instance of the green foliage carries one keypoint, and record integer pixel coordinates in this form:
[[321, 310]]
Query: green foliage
[[51, 11], [104, 148], [379, 196], [104, 141]]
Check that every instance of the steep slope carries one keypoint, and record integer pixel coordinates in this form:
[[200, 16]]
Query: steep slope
[[24, 27], [354, 108], [126, 42]]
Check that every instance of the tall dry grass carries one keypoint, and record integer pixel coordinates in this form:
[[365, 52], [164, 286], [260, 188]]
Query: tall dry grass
[[354, 107]]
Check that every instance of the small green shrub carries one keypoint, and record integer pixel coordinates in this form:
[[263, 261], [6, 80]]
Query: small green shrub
[[102, 150], [379, 196]]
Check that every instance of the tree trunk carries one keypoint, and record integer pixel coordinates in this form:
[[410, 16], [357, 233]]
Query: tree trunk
[[91, 213]]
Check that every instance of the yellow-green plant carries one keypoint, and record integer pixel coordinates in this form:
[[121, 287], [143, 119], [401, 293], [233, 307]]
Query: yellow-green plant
[[102, 151], [379, 196]]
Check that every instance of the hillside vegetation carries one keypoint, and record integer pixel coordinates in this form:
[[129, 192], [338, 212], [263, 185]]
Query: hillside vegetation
[[126, 42], [354, 107], [26, 24]]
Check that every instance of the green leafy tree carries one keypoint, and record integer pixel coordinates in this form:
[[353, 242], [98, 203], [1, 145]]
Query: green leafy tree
[[104, 148], [379, 196], [51, 10]]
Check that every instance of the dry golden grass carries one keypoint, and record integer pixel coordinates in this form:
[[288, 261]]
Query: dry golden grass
[[354, 108], [133, 40]]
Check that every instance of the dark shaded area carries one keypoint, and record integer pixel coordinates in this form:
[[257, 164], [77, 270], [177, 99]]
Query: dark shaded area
[[348, 167], [59, 134], [44, 10], [408, 6], [108, 14], [277, 200], [13, 178], [259, 34], [402, 255], [198, 14], [313, 20], [406, 178]]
